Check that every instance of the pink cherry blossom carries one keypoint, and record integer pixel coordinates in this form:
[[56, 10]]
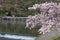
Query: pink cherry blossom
[[47, 18]]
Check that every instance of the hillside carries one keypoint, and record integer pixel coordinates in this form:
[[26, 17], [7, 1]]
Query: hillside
[[19, 6]]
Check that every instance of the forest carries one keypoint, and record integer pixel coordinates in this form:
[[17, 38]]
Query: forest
[[20, 7]]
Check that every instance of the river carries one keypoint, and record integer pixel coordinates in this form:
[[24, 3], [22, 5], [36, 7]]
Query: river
[[6, 36]]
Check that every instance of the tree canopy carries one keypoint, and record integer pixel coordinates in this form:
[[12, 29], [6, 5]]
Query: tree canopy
[[19, 6]]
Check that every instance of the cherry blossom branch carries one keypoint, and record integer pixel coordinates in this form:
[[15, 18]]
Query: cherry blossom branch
[[49, 17]]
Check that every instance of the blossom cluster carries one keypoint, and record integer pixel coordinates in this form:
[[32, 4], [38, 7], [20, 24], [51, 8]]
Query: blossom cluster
[[48, 17]]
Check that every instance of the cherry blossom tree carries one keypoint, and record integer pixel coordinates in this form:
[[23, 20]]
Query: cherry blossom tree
[[48, 17]]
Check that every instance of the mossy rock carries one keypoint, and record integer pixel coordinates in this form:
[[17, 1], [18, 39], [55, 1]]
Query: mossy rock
[[53, 35]]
